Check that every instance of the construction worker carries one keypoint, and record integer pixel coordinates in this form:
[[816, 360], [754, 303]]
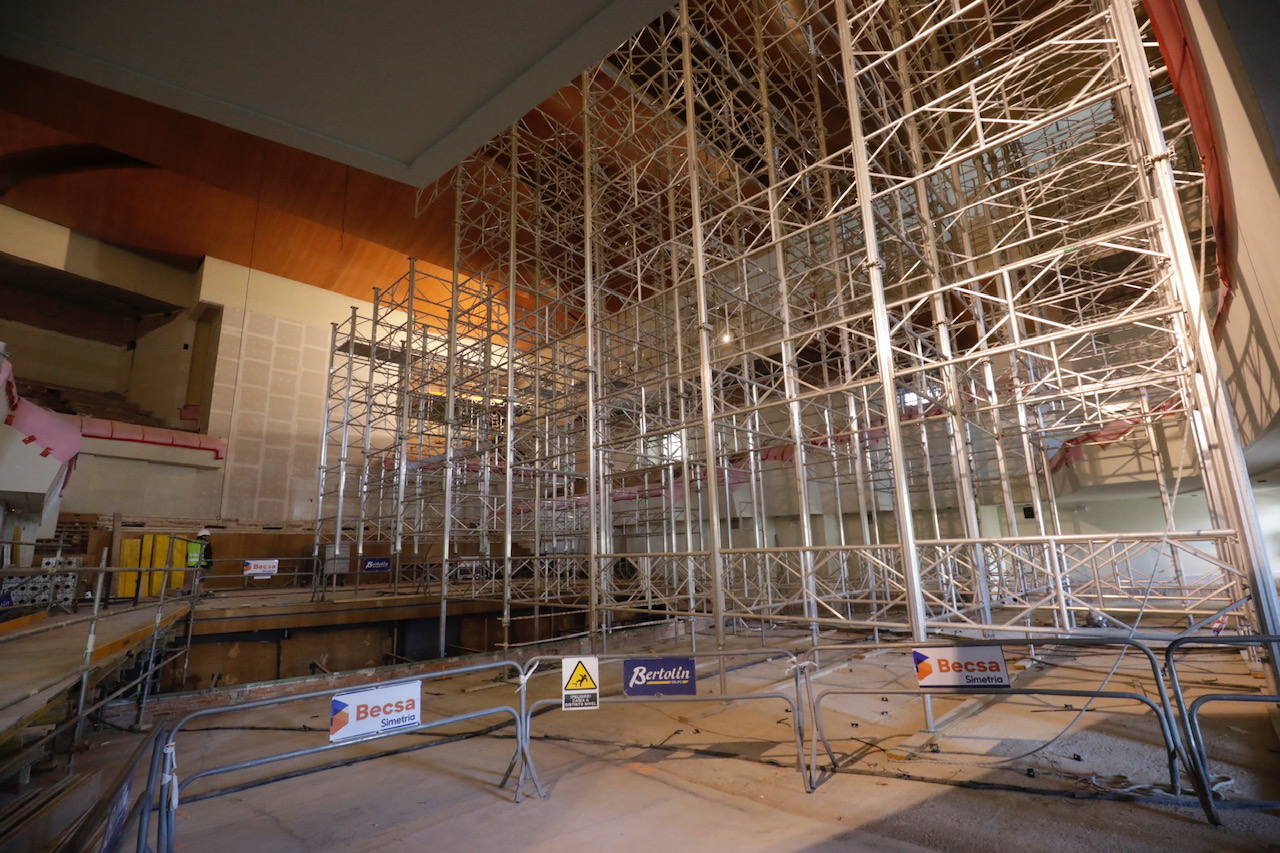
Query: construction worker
[[200, 552]]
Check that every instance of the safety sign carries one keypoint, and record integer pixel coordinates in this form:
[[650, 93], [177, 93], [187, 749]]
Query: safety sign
[[960, 666], [261, 568], [659, 677], [377, 710], [580, 678]]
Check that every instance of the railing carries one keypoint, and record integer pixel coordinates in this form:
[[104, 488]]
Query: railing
[[1162, 710], [1185, 744], [172, 786], [1197, 751], [103, 826], [154, 661], [795, 701]]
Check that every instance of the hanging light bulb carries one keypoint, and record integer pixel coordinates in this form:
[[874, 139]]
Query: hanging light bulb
[[727, 337]]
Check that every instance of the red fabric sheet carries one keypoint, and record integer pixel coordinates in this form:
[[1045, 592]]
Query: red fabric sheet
[[1187, 75], [47, 430]]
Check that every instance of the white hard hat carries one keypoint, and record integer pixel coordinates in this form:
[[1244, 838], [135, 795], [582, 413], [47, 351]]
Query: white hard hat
[[204, 531]]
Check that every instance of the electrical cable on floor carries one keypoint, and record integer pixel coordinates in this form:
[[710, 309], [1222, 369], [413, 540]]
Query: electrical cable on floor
[[1137, 795], [1146, 598]]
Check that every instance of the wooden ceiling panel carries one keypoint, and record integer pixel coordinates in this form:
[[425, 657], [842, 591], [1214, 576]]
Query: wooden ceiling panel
[[214, 191]]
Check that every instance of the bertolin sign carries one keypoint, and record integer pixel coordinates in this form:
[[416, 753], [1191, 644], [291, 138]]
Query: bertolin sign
[[659, 677], [378, 710], [960, 666], [375, 564]]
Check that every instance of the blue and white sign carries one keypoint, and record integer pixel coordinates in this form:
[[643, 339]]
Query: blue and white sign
[[375, 564], [659, 677], [375, 710]]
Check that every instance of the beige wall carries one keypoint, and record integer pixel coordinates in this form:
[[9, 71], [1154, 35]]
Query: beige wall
[[269, 387], [161, 366], [44, 242], [59, 359], [104, 484], [154, 375], [1249, 352]]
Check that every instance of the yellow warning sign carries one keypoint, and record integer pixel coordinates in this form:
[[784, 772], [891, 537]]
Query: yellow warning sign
[[581, 683], [580, 679]]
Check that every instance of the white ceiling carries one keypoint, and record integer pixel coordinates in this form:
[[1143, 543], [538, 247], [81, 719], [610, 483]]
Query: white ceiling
[[402, 88]]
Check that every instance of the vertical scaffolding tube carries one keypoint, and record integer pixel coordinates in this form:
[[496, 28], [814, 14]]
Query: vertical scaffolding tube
[[1213, 421], [884, 353], [714, 556]]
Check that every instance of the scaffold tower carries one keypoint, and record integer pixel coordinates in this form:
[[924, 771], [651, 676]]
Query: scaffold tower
[[809, 313]]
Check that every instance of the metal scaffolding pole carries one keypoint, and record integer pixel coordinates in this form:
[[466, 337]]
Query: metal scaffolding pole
[[920, 265], [709, 443]]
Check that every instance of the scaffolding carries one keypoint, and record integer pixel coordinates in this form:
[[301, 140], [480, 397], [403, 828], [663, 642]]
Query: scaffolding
[[806, 312]]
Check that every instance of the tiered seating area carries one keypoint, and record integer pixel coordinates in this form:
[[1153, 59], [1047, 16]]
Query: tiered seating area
[[107, 405]]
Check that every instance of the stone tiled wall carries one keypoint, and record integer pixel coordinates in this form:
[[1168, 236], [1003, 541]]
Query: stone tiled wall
[[269, 388], [267, 399]]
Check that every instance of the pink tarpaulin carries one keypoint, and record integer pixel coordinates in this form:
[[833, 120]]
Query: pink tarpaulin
[[1187, 75], [47, 430]]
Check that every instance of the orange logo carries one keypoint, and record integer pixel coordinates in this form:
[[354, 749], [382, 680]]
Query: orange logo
[[923, 669], [338, 717]]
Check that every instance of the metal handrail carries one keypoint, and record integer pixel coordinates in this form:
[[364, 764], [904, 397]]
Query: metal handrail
[[106, 820], [1196, 749], [171, 786], [82, 673], [796, 704]]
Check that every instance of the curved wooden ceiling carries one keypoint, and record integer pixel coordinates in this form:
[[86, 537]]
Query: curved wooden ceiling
[[212, 191]]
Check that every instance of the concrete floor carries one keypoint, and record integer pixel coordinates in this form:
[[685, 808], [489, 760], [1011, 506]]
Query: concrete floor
[[654, 775]]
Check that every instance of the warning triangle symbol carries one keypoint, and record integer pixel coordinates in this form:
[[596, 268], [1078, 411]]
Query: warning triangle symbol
[[580, 679]]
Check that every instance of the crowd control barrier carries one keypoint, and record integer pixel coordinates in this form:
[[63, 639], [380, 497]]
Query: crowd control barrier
[[1197, 752], [1180, 734], [171, 786], [795, 700], [1162, 710]]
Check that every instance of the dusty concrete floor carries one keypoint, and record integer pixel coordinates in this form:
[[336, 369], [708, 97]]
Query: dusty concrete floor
[[649, 776]]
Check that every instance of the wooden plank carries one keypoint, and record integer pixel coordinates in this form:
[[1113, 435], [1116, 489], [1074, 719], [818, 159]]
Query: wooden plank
[[9, 626]]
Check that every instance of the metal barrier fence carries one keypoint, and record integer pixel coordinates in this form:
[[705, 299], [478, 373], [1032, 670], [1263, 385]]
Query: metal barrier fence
[[172, 787], [804, 703], [1163, 710], [1197, 753], [795, 701], [103, 826]]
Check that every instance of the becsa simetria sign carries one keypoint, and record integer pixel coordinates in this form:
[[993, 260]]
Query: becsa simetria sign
[[377, 710], [960, 666]]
